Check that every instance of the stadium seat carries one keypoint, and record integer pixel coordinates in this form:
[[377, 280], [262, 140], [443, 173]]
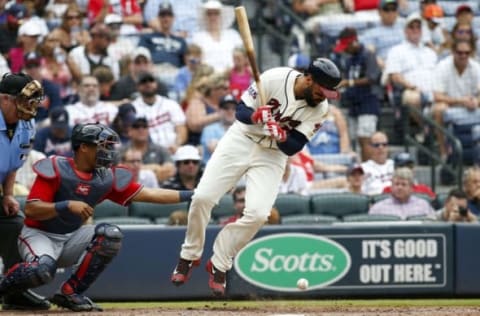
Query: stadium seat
[[109, 209], [340, 204], [370, 218], [379, 197], [125, 220], [421, 218], [308, 219], [292, 204], [224, 207], [440, 200], [153, 210]]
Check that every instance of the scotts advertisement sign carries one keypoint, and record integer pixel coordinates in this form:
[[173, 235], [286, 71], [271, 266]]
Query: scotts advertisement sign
[[276, 262]]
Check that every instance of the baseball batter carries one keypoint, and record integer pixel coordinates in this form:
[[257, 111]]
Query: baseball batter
[[255, 146], [62, 198]]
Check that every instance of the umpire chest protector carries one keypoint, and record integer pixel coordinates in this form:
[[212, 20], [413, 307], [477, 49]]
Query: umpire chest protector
[[71, 186]]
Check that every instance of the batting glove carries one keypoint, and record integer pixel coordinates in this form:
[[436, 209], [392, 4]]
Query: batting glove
[[262, 115], [276, 132]]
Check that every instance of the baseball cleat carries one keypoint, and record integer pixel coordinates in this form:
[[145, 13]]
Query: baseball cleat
[[75, 302], [183, 270], [217, 280]]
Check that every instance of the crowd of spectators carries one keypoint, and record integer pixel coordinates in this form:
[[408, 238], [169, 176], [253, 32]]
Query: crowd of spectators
[[166, 76]]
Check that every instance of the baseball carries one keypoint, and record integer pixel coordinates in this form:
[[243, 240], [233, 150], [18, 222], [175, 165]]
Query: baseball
[[302, 284]]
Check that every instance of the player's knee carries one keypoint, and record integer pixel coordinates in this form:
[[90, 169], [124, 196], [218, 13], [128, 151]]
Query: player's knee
[[46, 269], [255, 218], [108, 239], [204, 199]]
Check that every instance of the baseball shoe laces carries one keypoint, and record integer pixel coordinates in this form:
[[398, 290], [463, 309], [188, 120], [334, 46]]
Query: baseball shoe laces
[[217, 280], [183, 270]]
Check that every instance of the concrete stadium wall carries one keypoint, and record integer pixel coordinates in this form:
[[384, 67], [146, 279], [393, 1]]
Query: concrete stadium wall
[[344, 260]]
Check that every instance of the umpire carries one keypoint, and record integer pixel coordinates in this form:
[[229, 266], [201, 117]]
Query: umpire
[[19, 99]]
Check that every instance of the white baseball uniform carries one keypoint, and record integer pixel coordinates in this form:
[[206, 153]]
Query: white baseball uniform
[[246, 150], [162, 117], [101, 112]]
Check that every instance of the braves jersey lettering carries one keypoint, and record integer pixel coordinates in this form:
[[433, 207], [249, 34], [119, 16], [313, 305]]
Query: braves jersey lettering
[[289, 112], [80, 113]]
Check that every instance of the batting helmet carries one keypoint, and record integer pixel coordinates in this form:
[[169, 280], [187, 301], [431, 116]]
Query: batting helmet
[[106, 139], [326, 74]]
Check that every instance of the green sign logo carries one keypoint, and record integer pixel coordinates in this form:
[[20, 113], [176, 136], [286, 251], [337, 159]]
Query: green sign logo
[[276, 262]]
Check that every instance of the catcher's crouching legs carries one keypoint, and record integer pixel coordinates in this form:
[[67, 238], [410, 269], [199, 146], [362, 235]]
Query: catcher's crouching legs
[[103, 248], [27, 275]]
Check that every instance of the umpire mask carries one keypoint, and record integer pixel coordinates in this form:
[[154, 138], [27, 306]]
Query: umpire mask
[[28, 99]]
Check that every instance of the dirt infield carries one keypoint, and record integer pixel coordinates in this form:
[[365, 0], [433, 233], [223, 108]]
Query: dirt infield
[[271, 310]]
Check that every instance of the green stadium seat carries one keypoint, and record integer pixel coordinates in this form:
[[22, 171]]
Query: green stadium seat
[[154, 210], [308, 219], [340, 204], [370, 218], [109, 209], [224, 207], [292, 204], [379, 197], [424, 218]]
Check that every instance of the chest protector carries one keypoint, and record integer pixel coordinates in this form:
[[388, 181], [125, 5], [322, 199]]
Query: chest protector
[[71, 187]]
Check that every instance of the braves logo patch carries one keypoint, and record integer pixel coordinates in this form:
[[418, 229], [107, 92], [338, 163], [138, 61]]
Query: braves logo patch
[[83, 189]]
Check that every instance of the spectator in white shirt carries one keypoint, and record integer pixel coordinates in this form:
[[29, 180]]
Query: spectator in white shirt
[[89, 109], [379, 169], [132, 158]]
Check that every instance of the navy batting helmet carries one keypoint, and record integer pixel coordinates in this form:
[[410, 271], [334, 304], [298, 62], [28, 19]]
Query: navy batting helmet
[[326, 74], [105, 138]]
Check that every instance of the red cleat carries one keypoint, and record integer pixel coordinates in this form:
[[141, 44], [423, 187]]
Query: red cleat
[[217, 280], [183, 270]]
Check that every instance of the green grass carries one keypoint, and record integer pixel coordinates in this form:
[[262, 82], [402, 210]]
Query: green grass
[[293, 303]]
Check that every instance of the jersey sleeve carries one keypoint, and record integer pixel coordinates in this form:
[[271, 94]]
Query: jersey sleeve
[[43, 189], [123, 197]]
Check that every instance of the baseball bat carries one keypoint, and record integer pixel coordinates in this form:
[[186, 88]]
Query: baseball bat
[[244, 29]]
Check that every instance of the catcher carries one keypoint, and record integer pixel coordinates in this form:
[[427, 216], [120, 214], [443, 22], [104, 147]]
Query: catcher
[[62, 198]]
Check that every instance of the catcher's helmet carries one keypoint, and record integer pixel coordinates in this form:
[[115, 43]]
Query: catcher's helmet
[[106, 139], [326, 74]]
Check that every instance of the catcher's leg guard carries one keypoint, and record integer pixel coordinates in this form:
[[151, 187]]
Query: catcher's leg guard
[[103, 248], [27, 275]]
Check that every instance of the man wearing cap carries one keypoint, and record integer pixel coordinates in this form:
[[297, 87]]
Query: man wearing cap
[[379, 168], [362, 92], [126, 87], [166, 119], [464, 14], [31, 63], [19, 98], [355, 177], [389, 33], [168, 50], [55, 139], [16, 13], [89, 109], [410, 66], [121, 47], [433, 34], [189, 169], [154, 157], [83, 59], [212, 133], [267, 130]]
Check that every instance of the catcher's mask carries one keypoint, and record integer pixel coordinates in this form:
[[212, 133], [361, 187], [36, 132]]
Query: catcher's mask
[[29, 98], [106, 140], [25, 92]]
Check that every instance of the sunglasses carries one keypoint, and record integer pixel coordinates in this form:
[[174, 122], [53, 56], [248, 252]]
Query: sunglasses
[[378, 145], [137, 126], [415, 26], [187, 162], [463, 53], [148, 80], [463, 31], [389, 9], [73, 17]]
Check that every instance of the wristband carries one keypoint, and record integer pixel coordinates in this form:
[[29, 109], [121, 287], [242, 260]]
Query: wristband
[[185, 195], [62, 208]]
